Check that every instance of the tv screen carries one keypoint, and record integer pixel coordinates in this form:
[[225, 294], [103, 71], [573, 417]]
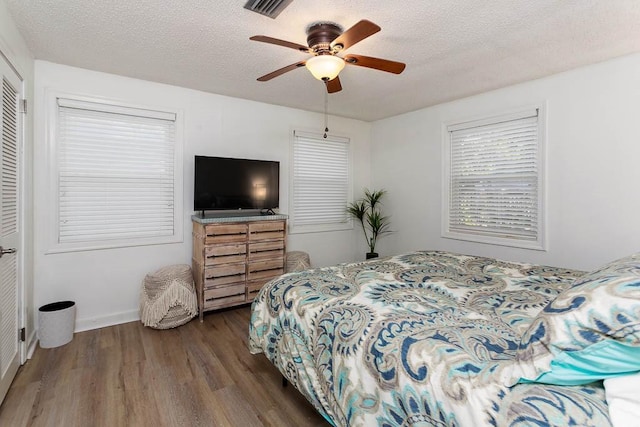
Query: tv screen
[[227, 183]]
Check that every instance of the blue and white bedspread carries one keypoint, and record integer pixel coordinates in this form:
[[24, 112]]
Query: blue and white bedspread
[[424, 338]]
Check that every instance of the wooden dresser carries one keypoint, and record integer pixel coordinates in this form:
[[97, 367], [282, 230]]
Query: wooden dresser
[[234, 257]]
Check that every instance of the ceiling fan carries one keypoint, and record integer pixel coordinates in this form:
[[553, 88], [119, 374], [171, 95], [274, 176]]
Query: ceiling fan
[[325, 41]]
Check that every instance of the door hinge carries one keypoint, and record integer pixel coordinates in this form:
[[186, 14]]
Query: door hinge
[[23, 106], [23, 335]]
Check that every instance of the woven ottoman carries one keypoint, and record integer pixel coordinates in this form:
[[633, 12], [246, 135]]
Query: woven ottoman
[[168, 298], [297, 261]]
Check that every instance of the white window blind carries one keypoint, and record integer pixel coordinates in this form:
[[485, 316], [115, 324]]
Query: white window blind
[[321, 181], [495, 180], [115, 171]]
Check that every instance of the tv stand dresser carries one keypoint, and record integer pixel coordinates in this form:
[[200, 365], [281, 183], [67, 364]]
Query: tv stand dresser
[[233, 257]]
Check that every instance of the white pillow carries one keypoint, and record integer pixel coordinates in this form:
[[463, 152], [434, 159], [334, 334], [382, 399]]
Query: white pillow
[[623, 398]]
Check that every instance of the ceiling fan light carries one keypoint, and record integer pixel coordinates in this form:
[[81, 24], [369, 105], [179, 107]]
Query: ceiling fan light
[[325, 67]]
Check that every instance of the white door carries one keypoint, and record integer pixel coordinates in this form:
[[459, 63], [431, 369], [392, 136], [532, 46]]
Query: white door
[[10, 132]]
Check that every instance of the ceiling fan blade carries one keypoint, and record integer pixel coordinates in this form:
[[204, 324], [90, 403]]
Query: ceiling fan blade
[[353, 35], [282, 70], [271, 40], [375, 63], [334, 85]]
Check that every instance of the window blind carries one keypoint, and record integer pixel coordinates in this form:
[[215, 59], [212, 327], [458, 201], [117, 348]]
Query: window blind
[[320, 179], [494, 178], [115, 172]]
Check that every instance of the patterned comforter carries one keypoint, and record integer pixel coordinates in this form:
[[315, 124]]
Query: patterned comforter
[[424, 338]]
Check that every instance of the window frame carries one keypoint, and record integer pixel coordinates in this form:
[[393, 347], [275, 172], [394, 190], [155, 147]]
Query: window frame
[[540, 243], [347, 224], [52, 148]]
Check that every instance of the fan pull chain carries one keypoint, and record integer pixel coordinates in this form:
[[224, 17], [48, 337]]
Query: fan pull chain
[[326, 112]]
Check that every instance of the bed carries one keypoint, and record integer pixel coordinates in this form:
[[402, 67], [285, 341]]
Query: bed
[[441, 339]]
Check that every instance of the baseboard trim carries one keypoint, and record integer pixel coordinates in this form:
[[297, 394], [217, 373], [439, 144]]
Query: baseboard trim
[[88, 324], [32, 343]]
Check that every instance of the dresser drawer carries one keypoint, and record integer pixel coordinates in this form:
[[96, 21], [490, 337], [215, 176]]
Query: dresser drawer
[[266, 275], [224, 291], [266, 230], [224, 274], [225, 233], [265, 269], [254, 287], [214, 303], [266, 250], [225, 254]]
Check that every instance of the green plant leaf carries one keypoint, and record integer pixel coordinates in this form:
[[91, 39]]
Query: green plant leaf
[[373, 197], [357, 209]]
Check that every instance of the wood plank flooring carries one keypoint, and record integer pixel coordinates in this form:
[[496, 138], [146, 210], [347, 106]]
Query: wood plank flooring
[[200, 374]]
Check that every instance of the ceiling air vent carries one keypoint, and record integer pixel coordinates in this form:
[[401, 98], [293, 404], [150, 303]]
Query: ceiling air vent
[[270, 8]]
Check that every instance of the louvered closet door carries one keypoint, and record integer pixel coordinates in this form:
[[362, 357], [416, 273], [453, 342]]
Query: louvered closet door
[[9, 237]]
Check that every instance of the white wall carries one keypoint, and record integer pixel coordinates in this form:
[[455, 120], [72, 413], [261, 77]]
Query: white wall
[[593, 148], [14, 48], [105, 283], [593, 166]]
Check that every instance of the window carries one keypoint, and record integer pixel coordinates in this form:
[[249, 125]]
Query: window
[[493, 187], [320, 183], [117, 173]]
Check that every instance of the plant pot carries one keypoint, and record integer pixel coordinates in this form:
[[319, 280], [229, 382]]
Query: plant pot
[[372, 255]]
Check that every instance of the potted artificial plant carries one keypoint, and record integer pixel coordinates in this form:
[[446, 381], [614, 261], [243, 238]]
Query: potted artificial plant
[[374, 224]]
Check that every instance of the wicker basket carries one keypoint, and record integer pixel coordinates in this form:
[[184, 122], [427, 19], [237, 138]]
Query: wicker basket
[[168, 298], [297, 261]]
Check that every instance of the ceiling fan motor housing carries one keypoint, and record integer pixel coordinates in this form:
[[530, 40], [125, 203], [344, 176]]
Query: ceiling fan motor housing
[[320, 36]]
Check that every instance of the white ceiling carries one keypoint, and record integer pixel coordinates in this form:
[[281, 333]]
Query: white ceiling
[[452, 48]]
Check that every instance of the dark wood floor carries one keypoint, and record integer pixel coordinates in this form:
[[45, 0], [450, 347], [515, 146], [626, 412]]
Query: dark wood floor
[[200, 374]]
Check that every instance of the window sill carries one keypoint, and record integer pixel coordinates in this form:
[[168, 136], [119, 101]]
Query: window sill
[[116, 244], [320, 228], [513, 243]]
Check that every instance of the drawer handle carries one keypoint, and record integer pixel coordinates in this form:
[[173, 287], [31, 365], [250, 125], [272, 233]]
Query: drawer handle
[[226, 275], [226, 234], [266, 270], [231, 254]]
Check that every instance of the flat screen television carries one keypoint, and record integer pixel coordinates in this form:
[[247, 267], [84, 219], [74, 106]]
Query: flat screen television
[[228, 183]]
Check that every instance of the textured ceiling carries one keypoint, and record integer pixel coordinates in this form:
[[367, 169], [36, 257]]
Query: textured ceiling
[[452, 48]]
